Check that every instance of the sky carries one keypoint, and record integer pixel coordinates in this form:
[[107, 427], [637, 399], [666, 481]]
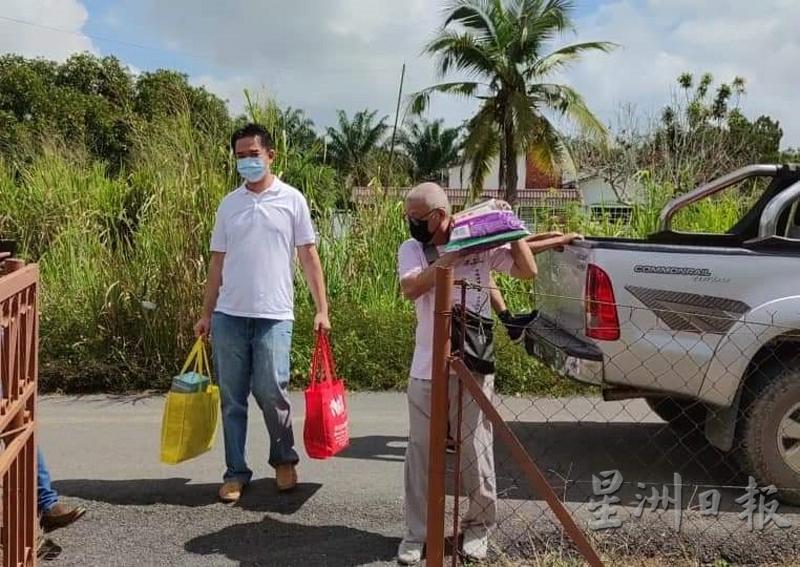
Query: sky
[[324, 55]]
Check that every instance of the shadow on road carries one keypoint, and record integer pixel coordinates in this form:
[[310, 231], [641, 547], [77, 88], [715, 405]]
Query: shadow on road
[[571, 452], [271, 542], [261, 495], [648, 454], [376, 448]]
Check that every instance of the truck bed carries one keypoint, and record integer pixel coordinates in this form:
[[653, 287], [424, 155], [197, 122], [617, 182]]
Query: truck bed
[[679, 243]]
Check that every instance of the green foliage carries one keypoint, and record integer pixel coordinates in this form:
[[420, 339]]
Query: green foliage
[[124, 258], [372, 346], [93, 103], [300, 154], [111, 182], [703, 136], [163, 94], [518, 373], [502, 47], [761, 138], [353, 143], [300, 129], [432, 149], [700, 136]]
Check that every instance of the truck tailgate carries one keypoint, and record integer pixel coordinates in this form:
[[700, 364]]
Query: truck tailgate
[[561, 285], [673, 306]]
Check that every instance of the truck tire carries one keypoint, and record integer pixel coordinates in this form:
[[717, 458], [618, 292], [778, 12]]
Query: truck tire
[[768, 431], [685, 416]]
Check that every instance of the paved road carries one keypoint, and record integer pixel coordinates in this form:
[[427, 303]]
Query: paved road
[[103, 453]]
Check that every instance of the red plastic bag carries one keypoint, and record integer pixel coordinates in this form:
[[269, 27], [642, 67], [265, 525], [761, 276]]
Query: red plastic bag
[[325, 431]]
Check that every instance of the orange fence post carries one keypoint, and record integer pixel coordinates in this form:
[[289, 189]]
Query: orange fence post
[[19, 364], [438, 426]]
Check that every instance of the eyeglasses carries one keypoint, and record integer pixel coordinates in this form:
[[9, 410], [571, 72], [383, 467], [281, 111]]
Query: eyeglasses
[[423, 217]]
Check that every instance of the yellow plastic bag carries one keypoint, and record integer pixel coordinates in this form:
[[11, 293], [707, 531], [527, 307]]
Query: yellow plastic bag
[[190, 419]]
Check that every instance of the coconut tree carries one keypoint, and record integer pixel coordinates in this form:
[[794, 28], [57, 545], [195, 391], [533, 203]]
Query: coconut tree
[[352, 144], [431, 147], [501, 46]]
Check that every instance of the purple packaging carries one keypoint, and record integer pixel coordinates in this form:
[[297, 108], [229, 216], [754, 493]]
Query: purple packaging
[[486, 224]]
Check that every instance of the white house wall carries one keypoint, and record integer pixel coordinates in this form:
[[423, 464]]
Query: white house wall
[[458, 176], [596, 192]]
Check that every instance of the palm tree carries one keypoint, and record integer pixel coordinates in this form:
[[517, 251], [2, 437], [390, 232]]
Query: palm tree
[[500, 45], [351, 145], [431, 147], [299, 128]]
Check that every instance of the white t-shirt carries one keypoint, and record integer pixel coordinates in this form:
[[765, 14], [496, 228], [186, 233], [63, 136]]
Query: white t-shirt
[[475, 269], [258, 234]]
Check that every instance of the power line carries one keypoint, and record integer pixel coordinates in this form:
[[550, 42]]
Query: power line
[[97, 37], [322, 70]]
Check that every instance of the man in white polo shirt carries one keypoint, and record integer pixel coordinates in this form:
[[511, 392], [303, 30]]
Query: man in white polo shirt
[[249, 305]]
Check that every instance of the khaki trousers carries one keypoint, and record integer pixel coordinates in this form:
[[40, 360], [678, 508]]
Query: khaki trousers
[[477, 457]]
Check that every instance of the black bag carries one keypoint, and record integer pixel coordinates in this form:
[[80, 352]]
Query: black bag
[[478, 332], [478, 339]]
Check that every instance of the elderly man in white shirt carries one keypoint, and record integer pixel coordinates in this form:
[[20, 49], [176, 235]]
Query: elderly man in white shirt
[[249, 305], [430, 223]]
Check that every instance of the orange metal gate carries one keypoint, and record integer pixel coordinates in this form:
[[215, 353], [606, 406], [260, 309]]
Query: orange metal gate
[[19, 347]]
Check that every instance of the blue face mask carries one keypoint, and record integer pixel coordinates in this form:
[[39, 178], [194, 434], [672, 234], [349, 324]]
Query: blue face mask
[[252, 169]]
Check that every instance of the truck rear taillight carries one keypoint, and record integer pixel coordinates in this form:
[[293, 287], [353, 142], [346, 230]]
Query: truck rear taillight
[[602, 321]]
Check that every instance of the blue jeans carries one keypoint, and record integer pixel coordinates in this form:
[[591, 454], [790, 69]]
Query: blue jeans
[[46, 497], [252, 355]]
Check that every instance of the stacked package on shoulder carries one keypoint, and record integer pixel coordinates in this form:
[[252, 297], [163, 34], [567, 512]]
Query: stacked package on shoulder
[[485, 225]]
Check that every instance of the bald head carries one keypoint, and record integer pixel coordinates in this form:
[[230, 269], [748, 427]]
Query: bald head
[[428, 213], [430, 196]]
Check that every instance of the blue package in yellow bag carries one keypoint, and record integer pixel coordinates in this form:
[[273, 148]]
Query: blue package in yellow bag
[[191, 411]]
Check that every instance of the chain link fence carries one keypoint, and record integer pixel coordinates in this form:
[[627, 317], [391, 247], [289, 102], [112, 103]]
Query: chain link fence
[[684, 448]]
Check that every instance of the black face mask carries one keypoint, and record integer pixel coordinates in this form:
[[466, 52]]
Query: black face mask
[[419, 230]]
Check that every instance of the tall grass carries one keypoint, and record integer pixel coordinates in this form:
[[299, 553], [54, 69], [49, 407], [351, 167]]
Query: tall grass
[[124, 259], [714, 215]]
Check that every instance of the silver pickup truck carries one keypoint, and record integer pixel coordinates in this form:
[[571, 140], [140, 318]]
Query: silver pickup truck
[[704, 327]]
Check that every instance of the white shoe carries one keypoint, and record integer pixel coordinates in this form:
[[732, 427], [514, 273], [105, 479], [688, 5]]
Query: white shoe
[[476, 543], [409, 552]]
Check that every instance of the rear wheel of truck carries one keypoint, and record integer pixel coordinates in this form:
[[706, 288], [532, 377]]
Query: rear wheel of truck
[[685, 416], [768, 432]]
